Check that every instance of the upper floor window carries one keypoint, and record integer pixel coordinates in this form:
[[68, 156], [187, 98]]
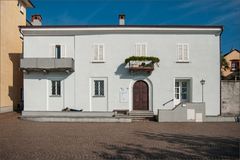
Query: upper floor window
[[58, 51], [183, 52], [56, 88], [141, 49], [98, 53], [235, 65]]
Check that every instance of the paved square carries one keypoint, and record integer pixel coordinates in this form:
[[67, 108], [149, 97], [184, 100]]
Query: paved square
[[139, 140]]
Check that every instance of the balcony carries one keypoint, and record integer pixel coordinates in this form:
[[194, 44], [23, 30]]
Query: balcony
[[47, 64], [141, 64]]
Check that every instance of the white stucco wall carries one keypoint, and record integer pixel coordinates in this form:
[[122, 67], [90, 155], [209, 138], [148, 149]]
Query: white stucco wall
[[204, 64]]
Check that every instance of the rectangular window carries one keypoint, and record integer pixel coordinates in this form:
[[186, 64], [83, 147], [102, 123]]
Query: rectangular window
[[57, 51], [98, 52], [56, 88], [183, 52], [141, 49], [177, 89], [182, 91], [98, 87], [235, 66]]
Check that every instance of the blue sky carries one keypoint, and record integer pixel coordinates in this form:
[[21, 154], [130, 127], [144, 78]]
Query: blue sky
[[194, 12]]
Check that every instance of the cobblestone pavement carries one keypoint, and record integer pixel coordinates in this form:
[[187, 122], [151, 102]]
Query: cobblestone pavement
[[25, 140]]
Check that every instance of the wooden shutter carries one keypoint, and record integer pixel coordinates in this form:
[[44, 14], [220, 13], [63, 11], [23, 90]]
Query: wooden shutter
[[185, 52], [100, 52], [137, 50], [144, 50], [179, 52], [95, 56], [63, 51]]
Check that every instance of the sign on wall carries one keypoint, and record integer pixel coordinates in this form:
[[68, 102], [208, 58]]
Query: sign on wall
[[123, 95]]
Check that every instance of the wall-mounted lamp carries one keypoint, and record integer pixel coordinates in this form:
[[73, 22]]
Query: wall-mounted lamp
[[202, 83]]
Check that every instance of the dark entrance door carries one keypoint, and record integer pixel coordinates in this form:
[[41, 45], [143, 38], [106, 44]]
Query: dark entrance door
[[140, 95]]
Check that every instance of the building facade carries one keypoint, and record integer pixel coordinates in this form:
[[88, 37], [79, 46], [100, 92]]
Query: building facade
[[83, 67], [12, 15], [233, 60]]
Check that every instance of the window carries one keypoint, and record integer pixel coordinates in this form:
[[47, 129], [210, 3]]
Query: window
[[182, 91], [58, 51], [183, 52], [234, 66], [56, 88], [177, 90], [98, 87], [21, 7], [141, 49], [98, 52]]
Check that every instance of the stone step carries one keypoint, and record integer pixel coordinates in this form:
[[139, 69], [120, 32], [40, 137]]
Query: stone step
[[75, 119], [141, 113]]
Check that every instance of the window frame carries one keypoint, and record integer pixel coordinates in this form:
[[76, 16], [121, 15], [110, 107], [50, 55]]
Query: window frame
[[141, 44], [100, 91], [98, 53], [235, 65], [183, 60], [60, 51], [180, 92], [56, 90]]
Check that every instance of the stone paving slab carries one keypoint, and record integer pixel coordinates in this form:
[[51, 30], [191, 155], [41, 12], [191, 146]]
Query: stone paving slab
[[23, 140]]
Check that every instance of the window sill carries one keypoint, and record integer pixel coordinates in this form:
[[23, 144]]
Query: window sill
[[182, 61], [98, 96], [55, 96], [98, 61]]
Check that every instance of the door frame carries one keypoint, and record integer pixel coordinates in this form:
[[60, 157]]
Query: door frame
[[189, 89], [150, 92], [142, 95]]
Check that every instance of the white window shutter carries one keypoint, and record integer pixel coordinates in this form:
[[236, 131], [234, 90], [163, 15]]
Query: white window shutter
[[63, 51], [95, 57], [52, 51], [179, 52], [100, 53], [185, 51], [144, 50], [137, 50]]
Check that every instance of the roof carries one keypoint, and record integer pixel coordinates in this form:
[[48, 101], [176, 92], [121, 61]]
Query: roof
[[124, 26], [28, 3], [231, 52], [80, 29]]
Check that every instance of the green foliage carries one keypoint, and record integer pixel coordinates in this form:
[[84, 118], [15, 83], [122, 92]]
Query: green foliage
[[224, 63], [142, 58]]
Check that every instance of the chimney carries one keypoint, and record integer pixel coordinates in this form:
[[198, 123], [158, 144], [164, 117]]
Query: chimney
[[36, 20], [121, 18]]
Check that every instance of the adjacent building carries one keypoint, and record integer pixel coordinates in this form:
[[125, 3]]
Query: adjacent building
[[233, 60], [12, 15], [115, 67]]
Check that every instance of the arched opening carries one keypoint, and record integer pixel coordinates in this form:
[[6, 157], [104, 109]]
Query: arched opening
[[140, 95]]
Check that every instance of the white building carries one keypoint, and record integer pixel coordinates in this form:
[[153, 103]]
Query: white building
[[82, 67]]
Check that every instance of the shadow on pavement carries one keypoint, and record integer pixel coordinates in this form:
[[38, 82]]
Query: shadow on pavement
[[175, 146]]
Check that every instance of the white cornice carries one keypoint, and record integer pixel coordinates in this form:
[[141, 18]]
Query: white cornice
[[93, 30]]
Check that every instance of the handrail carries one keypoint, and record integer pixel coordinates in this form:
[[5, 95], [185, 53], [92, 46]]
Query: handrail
[[167, 102]]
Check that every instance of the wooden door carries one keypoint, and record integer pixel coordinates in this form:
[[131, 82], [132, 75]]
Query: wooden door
[[140, 96]]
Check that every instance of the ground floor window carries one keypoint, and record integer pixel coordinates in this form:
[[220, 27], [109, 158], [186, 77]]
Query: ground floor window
[[56, 88], [182, 91], [98, 87]]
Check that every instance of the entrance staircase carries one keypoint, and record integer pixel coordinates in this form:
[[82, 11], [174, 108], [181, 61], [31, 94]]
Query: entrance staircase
[[137, 115]]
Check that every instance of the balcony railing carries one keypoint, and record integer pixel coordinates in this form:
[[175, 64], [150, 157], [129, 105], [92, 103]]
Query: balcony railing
[[47, 64], [141, 63], [145, 66]]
